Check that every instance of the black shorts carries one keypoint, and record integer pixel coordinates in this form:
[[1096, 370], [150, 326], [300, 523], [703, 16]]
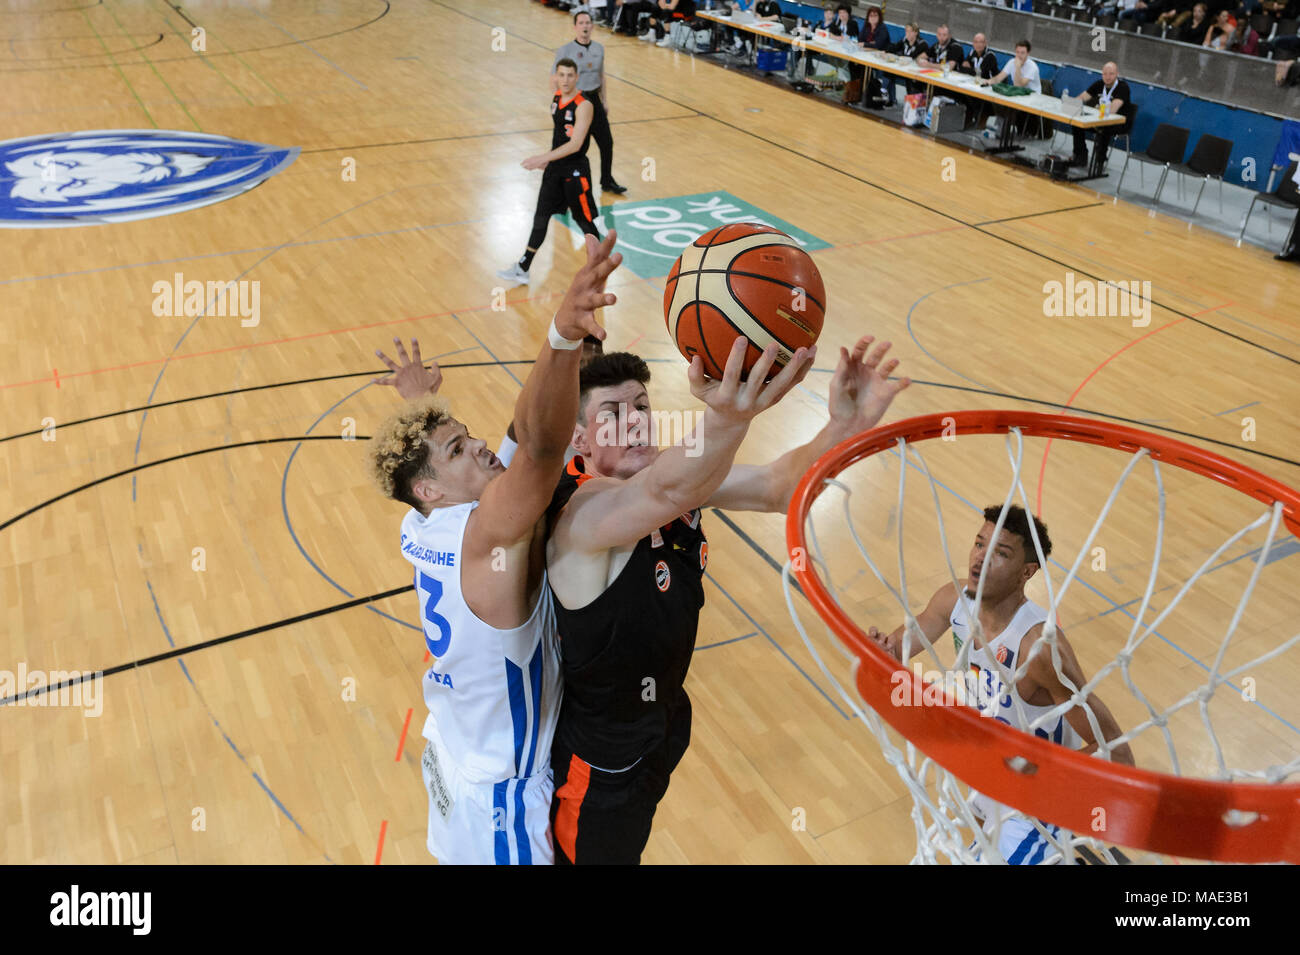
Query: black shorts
[[568, 189], [603, 818]]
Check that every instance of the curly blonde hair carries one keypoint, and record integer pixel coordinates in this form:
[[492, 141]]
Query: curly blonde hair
[[399, 453]]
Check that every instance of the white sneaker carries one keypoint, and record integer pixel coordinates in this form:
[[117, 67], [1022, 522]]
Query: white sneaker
[[666, 41], [514, 274], [648, 35]]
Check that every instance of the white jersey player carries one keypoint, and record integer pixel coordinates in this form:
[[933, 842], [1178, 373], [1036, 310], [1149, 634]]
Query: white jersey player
[[1011, 624], [475, 535]]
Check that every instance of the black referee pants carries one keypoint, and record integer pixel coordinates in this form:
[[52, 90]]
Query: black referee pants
[[604, 138]]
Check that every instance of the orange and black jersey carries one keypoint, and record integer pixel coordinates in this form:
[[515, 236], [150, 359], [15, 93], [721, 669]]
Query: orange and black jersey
[[565, 115], [625, 654]]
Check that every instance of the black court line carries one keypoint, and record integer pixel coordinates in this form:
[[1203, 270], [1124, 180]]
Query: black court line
[[1042, 402], [177, 8], [205, 644], [897, 195], [1034, 215], [239, 391], [507, 132], [175, 457], [188, 59], [755, 547]]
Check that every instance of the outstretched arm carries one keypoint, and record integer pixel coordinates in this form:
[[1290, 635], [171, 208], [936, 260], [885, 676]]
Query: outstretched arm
[[1043, 673], [606, 512], [547, 409], [860, 393], [933, 621]]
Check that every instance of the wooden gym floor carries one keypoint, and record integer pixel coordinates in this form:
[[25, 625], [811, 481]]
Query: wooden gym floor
[[248, 750]]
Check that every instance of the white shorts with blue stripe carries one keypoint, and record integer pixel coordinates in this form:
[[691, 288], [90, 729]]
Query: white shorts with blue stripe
[[1021, 843], [502, 823]]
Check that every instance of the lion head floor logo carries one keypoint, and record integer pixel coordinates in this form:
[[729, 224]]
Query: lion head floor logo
[[91, 178]]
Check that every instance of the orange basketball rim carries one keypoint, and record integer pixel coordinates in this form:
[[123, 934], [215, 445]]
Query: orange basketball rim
[[1203, 819]]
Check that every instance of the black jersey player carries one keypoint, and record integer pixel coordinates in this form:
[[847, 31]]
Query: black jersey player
[[566, 183], [626, 558]]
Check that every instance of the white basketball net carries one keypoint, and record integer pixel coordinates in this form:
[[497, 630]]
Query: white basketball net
[[943, 807]]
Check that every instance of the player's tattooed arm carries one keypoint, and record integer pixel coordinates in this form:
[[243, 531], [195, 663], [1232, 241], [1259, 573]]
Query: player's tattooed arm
[[932, 622], [1043, 672], [409, 376], [860, 393]]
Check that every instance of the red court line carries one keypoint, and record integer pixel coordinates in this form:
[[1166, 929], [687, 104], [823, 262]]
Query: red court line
[[1042, 468], [402, 742], [56, 377], [379, 853], [426, 654]]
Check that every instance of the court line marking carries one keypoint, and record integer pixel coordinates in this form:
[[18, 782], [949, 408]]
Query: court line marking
[[147, 114], [780, 649], [917, 341], [235, 53], [307, 46], [210, 65], [379, 853], [233, 252], [161, 78], [723, 643], [401, 740], [915, 202], [1048, 212], [528, 361], [1220, 414], [181, 13], [1042, 467], [135, 468], [1179, 295], [491, 135]]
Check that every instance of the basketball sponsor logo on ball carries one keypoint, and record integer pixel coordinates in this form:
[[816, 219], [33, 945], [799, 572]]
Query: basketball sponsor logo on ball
[[662, 577], [743, 279]]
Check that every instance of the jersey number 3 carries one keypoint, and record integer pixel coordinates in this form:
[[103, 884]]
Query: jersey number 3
[[433, 587]]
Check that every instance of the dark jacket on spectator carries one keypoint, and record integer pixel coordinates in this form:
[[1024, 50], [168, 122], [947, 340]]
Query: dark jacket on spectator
[[904, 48], [878, 40], [985, 67], [837, 30], [951, 53], [1195, 34]]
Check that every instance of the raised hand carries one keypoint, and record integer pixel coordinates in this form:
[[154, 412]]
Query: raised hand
[[411, 379], [576, 317], [743, 400], [884, 641], [861, 389]]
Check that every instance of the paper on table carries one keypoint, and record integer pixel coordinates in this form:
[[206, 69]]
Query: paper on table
[[1072, 105]]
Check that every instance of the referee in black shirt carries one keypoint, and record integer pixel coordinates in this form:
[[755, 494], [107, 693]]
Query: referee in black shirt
[[590, 57]]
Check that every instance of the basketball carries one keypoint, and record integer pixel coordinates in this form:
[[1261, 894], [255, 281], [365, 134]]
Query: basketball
[[743, 279]]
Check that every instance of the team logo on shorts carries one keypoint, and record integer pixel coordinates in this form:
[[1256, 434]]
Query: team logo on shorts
[[662, 577], [704, 554], [119, 175]]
